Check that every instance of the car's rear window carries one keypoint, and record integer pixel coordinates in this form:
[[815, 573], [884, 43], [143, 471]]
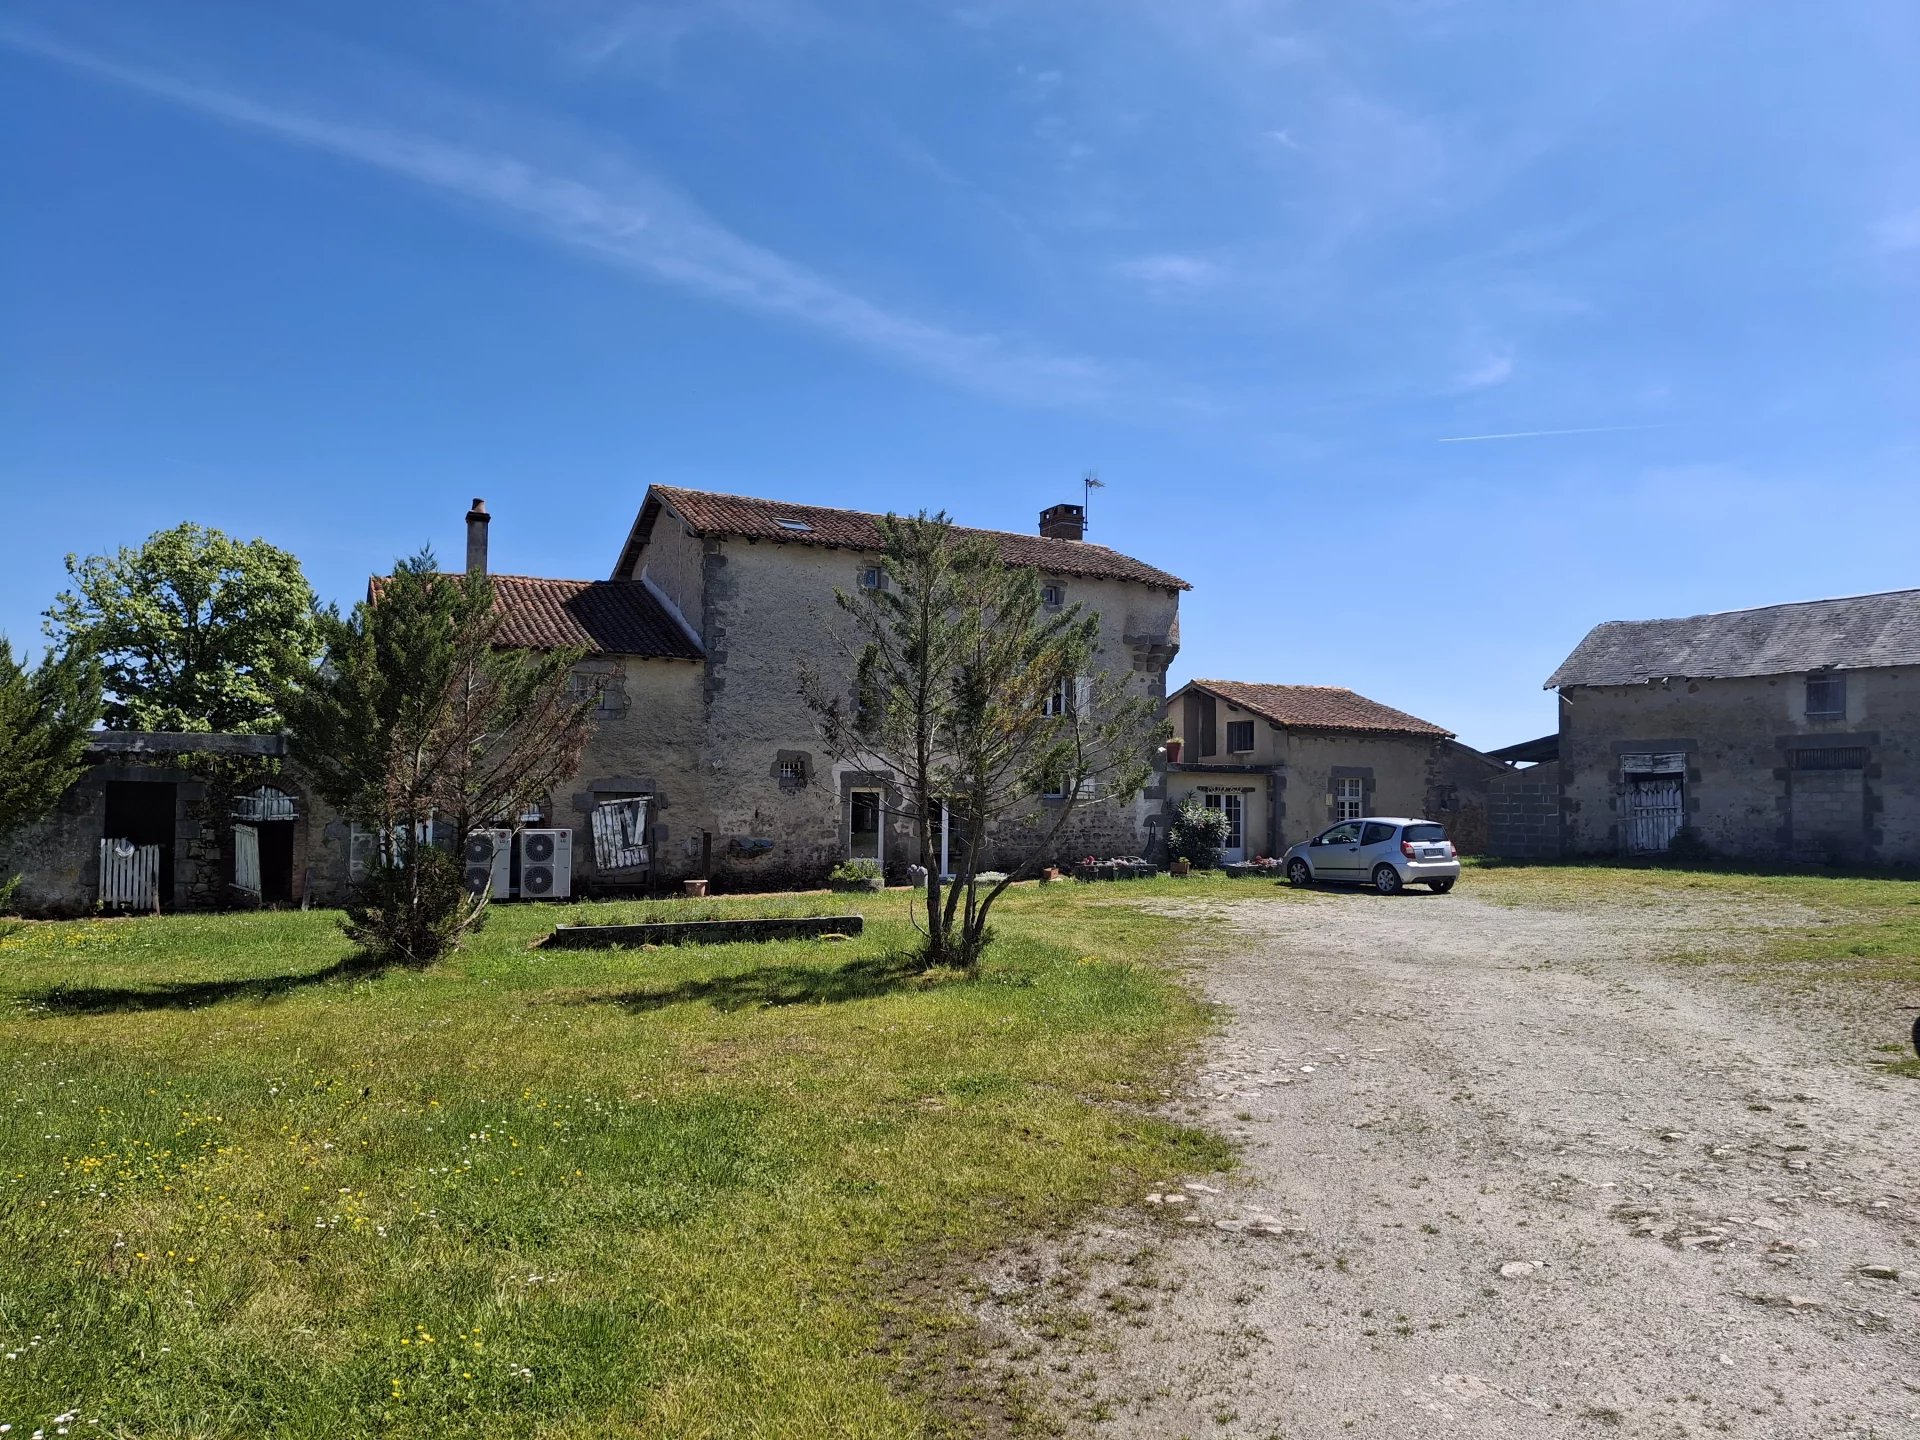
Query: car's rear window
[[1425, 832]]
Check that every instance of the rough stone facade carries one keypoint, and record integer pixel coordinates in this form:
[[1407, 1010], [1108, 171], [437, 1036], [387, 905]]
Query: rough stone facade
[[1760, 778], [1523, 813], [184, 784], [774, 803]]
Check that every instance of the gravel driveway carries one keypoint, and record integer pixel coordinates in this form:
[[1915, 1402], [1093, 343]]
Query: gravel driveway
[[1504, 1175]]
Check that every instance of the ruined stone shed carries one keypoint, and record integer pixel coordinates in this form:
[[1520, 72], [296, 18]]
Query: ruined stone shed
[[1787, 733]]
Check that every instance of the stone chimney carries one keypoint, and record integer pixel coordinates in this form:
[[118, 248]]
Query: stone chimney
[[477, 522], [1064, 522]]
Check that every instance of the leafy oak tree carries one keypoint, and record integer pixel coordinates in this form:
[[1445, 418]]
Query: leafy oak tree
[[417, 713], [980, 698], [194, 630]]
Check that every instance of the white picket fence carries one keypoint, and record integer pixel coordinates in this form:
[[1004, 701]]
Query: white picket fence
[[129, 876]]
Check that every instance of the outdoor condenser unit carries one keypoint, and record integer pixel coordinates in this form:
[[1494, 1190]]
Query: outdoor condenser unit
[[546, 864], [489, 860]]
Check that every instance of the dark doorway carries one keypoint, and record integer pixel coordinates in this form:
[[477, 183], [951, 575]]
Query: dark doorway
[[276, 862], [142, 811]]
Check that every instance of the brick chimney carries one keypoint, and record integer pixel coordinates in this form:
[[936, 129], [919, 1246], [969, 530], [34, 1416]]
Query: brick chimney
[[1064, 522], [477, 522]]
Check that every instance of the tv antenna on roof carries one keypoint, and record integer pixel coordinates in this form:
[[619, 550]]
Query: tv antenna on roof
[[1089, 483]]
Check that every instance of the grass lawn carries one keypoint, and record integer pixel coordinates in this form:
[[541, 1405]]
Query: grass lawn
[[246, 1189]]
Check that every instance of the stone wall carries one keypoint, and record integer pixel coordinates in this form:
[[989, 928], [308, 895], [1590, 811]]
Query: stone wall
[[1758, 778], [768, 608], [1523, 813]]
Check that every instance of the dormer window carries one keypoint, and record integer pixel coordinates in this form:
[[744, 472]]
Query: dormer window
[[786, 523]]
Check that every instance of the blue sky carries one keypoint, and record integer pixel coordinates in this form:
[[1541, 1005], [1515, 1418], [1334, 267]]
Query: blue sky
[[322, 272]]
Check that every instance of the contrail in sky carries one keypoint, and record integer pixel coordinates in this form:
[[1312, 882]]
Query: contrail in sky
[[1530, 434]]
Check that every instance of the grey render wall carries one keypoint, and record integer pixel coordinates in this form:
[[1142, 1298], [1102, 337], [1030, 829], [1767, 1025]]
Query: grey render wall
[[1743, 796], [1523, 813]]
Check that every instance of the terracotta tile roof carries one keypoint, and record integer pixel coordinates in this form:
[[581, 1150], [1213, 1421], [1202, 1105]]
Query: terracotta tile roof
[[747, 518], [1318, 707], [606, 617], [1853, 633]]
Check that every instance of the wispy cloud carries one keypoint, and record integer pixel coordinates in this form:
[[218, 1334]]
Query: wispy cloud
[[1171, 272], [1485, 373], [608, 209], [1536, 434]]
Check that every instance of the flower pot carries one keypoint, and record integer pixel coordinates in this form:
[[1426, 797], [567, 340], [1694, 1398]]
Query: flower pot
[[694, 888], [1179, 867], [1050, 874], [1173, 751]]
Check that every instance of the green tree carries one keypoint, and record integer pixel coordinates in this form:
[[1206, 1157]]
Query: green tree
[[45, 714], [194, 630], [416, 714], [980, 698]]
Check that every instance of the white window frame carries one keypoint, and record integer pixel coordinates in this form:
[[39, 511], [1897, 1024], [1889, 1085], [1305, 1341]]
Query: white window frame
[[793, 770], [1349, 798], [1070, 695], [1234, 807], [873, 577]]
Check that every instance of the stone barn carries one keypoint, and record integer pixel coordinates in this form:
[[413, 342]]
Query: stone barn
[[1784, 733]]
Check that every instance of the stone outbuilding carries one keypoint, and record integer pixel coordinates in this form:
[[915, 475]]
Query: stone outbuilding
[[1783, 733], [1286, 761], [164, 822]]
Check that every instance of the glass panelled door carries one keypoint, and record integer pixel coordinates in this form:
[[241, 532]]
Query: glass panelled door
[[865, 825], [1234, 847]]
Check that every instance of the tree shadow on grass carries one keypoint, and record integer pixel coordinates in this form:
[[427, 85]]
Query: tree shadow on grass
[[774, 985], [194, 994]]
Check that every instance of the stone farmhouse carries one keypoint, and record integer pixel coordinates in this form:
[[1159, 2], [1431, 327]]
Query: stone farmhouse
[[1286, 761], [705, 760], [1785, 733], [694, 645]]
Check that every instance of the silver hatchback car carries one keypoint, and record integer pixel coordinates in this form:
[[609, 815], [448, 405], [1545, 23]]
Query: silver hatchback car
[[1384, 851]]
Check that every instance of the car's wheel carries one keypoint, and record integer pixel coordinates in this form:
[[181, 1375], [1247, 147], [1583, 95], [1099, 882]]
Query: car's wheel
[[1440, 887], [1299, 874], [1386, 880]]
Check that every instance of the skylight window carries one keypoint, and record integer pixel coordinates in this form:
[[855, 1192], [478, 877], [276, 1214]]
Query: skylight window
[[786, 524]]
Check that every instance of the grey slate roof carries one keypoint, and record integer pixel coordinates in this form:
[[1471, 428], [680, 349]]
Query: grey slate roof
[[1854, 633]]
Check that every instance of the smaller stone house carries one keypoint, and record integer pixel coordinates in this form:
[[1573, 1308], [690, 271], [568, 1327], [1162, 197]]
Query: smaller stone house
[[1286, 761], [1783, 733]]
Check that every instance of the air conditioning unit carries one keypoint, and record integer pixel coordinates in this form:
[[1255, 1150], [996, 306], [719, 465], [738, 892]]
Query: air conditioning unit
[[488, 860], [546, 864]]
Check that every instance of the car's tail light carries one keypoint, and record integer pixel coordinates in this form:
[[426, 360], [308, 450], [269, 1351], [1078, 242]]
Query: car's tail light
[[1406, 848]]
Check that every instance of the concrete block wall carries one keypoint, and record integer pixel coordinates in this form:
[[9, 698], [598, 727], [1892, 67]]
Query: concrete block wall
[[1523, 813]]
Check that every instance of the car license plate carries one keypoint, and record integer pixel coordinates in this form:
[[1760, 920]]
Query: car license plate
[[1436, 855]]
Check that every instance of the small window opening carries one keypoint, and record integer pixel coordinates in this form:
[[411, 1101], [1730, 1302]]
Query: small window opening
[[1239, 737], [1052, 596], [793, 769], [1826, 697], [791, 524]]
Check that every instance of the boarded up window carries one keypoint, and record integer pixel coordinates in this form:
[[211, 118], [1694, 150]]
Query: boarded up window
[[1644, 763], [620, 834]]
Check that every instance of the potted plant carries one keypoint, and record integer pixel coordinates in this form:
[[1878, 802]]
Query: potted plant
[[1173, 751], [856, 875], [1181, 866], [694, 888], [1049, 874]]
